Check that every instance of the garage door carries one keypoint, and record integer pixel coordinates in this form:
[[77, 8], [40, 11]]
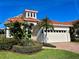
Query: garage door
[[58, 37]]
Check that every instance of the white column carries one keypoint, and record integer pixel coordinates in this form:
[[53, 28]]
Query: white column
[[26, 14], [7, 33]]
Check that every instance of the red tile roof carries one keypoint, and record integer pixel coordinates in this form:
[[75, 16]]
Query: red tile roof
[[35, 20], [15, 19], [22, 19], [63, 23]]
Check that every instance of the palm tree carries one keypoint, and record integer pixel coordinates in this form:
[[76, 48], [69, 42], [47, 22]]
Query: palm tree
[[43, 25]]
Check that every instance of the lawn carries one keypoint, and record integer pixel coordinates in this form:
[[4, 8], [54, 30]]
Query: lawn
[[44, 54]]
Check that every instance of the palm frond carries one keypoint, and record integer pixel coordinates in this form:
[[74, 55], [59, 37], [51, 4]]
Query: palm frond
[[43, 24]]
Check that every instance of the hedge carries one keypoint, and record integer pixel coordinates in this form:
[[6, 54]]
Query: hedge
[[27, 49], [6, 43]]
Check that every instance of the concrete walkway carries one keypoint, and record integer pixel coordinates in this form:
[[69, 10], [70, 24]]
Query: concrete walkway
[[71, 46]]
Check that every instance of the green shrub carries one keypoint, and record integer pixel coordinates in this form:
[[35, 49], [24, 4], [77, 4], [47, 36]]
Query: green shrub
[[27, 49], [6, 43], [5, 46]]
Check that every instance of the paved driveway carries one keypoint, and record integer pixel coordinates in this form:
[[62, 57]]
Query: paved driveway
[[71, 46]]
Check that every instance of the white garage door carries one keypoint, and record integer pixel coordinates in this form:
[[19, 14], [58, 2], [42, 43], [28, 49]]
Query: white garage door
[[58, 37]]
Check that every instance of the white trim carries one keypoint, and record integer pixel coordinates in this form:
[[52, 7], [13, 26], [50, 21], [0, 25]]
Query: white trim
[[31, 11], [63, 25]]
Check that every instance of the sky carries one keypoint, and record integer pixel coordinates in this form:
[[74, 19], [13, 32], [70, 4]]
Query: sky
[[57, 10]]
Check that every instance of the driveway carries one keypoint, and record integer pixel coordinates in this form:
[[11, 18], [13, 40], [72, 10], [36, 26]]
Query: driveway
[[70, 46]]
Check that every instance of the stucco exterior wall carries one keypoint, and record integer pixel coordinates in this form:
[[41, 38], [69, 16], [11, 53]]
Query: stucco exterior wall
[[33, 23]]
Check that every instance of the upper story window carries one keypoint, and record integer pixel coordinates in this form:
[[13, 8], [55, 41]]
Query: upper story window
[[31, 14], [34, 14], [28, 14]]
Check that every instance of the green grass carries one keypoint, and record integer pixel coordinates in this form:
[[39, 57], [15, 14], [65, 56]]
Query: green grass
[[44, 54]]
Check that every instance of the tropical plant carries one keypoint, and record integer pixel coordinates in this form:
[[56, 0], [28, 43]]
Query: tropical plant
[[19, 32], [76, 27], [44, 24], [76, 24], [6, 43], [74, 30]]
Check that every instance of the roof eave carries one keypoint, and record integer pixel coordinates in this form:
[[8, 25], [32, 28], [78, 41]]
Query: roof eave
[[63, 25]]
